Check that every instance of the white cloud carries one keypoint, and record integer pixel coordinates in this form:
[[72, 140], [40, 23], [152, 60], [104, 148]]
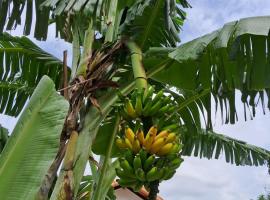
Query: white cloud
[[208, 15]]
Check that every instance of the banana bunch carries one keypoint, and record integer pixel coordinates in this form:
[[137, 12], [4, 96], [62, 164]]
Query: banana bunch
[[146, 104], [142, 169], [129, 141], [150, 155], [162, 143]]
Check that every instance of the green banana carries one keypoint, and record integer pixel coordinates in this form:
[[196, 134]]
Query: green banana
[[176, 148], [170, 157], [171, 127], [138, 105], [155, 108], [126, 167], [137, 163], [158, 96], [167, 99], [149, 162], [123, 113], [121, 174], [160, 162], [120, 95], [127, 183], [172, 109], [176, 163], [143, 155], [153, 174], [129, 156], [161, 173], [147, 107], [133, 96], [169, 174], [140, 174], [148, 93], [164, 108]]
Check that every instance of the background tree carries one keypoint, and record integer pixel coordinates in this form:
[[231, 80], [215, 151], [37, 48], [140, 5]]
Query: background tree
[[232, 58]]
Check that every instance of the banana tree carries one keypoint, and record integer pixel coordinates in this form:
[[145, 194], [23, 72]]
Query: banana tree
[[118, 46]]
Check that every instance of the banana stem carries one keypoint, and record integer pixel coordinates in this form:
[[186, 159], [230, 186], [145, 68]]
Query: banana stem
[[153, 190], [98, 192], [138, 69], [111, 21]]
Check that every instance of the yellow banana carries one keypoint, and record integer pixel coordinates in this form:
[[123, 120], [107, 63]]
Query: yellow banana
[[150, 137], [152, 131], [162, 134], [136, 147], [128, 143], [158, 144], [120, 143], [129, 134], [149, 141], [171, 137], [130, 109], [165, 149], [140, 136]]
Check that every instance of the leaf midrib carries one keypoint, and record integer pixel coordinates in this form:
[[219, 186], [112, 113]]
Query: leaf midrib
[[24, 128]]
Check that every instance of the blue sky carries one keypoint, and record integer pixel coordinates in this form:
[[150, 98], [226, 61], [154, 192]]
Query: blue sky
[[201, 178]]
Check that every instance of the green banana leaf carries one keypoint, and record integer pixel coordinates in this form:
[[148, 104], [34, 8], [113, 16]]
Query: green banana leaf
[[33, 143], [212, 145], [235, 57], [103, 138], [23, 64]]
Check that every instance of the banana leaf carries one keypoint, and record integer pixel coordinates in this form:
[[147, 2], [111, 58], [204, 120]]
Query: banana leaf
[[33, 143]]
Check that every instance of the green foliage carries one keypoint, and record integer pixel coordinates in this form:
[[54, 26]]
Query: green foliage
[[33, 143], [103, 139], [154, 23], [209, 144], [22, 66], [233, 57], [3, 137]]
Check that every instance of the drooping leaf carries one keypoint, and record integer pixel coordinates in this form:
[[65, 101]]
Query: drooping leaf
[[22, 66], [233, 57], [211, 145], [33, 143]]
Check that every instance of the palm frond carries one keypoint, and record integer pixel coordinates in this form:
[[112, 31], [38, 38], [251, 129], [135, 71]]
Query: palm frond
[[22, 66], [209, 144], [233, 57]]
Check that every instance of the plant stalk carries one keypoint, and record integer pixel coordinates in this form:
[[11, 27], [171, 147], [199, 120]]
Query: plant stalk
[[153, 190], [111, 21], [98, 193], [138, 69]]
